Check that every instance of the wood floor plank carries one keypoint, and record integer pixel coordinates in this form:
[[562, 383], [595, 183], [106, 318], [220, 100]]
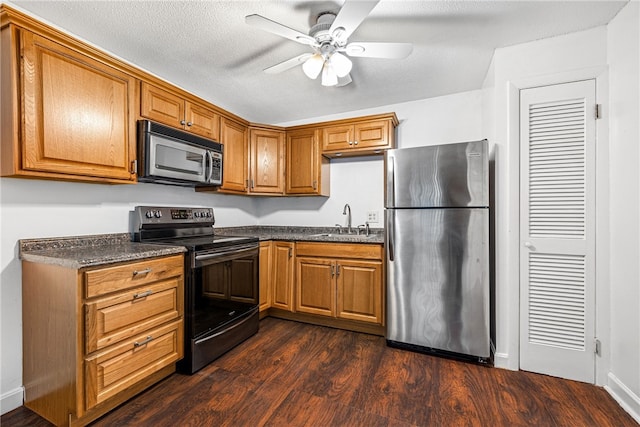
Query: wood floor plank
[[292, 374]]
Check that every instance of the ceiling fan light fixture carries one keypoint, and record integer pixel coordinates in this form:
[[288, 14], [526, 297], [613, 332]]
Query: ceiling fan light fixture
[[313, 66], [329, 77], [341, 64]]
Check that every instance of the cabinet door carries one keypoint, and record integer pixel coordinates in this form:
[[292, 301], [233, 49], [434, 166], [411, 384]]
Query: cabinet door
[[265, 275], [359, 290], [267, 161], [283, 270], [372, 134], [303, 159], [233, 136], [77, 113], [315, 286], [161, 106], [337, 138], [202, 121]]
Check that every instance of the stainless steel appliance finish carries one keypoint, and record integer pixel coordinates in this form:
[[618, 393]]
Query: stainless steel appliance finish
[[170, 156], [437, 237], [221, 279]]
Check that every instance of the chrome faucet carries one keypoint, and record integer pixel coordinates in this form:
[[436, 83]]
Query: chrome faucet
[[347, 211]]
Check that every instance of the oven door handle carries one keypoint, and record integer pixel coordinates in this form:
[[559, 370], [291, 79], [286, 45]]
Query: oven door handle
[[235, 325], [206, 258]]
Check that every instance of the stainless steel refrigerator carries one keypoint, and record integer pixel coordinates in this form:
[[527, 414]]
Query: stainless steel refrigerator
[[437, 241]]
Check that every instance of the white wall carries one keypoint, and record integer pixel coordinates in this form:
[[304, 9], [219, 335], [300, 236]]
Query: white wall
[[36, 208], [623, 49], [359, 181]]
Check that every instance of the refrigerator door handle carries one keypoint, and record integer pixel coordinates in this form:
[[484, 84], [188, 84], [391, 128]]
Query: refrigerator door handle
[[391, 219], [391, 185]]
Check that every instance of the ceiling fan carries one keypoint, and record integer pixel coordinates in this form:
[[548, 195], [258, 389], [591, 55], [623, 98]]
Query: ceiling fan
[[329, 40]]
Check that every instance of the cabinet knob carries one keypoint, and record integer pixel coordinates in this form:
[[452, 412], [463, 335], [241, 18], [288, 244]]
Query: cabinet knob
[[350, 142], [189, 123], [182, 122], [355, 143]]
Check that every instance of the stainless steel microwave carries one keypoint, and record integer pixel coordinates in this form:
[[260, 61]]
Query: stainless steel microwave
[[171, 156]]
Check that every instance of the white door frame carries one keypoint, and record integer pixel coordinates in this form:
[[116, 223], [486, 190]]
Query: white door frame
[[512, 282]]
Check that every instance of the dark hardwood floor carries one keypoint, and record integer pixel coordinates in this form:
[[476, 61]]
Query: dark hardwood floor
[[292, 374]]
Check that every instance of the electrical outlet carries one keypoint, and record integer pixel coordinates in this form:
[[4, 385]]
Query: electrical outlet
[[372, 216]]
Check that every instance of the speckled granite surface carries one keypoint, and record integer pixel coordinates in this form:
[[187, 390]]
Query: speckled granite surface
[[304, 234], [91, 251]]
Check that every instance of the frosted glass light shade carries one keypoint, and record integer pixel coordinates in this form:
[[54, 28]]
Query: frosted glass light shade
[[341, 64], [329, 77], [313, 66]]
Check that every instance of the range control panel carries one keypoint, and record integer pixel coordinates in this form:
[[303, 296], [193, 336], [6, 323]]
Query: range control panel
[[145, 215]]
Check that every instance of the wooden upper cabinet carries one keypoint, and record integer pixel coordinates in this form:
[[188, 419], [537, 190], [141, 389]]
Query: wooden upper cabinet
[[233, 136], [307, 171], [67, 115], [358, 137], [266, 153], [166, 107]]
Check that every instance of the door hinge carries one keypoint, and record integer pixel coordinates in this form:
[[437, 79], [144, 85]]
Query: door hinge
[[598, 111], [597, 348]]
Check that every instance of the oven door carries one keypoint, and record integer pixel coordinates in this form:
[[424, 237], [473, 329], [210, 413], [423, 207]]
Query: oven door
[[222, 303], [172, 159]]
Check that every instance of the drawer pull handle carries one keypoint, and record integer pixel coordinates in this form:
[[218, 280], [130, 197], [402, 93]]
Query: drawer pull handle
[[141, 343], [142, 294], [145, 271]]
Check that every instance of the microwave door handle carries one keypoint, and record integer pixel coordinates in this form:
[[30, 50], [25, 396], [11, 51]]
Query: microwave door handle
[[209, 161]]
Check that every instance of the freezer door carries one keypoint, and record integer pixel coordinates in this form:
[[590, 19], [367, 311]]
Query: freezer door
[[451, 175], [438, 279]]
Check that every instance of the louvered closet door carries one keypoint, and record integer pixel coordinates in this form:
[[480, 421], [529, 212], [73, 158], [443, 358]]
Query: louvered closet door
[[557, 190]]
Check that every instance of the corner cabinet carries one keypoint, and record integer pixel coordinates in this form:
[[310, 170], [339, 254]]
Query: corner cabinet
[[93, 338], [166, 107], [340, 280], [307, 171], [66, 114], [283, 275], [234, 138]]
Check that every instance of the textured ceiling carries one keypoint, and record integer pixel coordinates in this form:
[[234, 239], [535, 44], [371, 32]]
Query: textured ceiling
[[206, 48]]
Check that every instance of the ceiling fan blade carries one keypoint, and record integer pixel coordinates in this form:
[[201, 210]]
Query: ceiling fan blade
[[279, 29], [379, 50], [350, 17], [289, 63]]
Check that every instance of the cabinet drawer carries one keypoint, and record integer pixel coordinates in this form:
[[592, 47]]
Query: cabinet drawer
[[118, 368], [340, 250], [113, 279], [119, 316]]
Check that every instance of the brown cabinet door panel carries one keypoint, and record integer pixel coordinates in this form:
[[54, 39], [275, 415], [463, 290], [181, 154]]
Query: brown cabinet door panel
[[303, 159], [315, 290], [337, 138], [202, 121], [283, 276], [233, 137], [161, 106], [372, 134], [267, 161], [265, 275], [360, 290], [77, 113]]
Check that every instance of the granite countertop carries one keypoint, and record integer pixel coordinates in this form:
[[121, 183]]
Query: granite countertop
[[304, 234], [91, 251]]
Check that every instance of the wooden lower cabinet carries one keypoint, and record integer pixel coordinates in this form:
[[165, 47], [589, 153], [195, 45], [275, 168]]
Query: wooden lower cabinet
[[93, 338], [265, 275], [283, 275], [338, 280]]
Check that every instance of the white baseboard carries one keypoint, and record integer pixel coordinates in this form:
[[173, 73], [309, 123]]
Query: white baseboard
[[501, 360], [11, 400], [629, 401]]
